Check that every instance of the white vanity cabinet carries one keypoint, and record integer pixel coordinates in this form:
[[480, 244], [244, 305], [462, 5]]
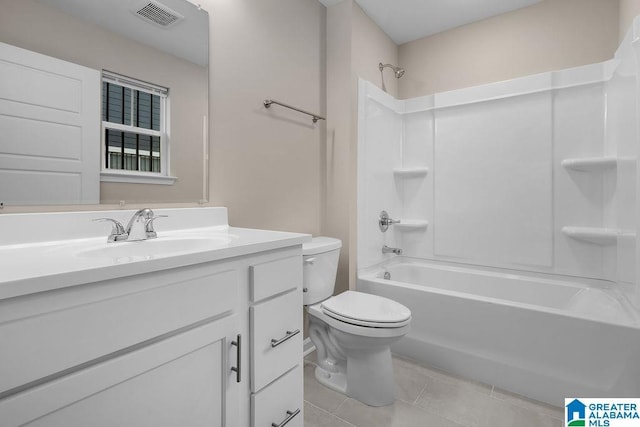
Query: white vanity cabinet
[[182, 347]]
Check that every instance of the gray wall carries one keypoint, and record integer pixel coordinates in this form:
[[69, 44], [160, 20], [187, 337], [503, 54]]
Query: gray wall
[[550, 35], [266, 165]]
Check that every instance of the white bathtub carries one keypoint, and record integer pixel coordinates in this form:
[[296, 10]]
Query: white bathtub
[[542, 336]]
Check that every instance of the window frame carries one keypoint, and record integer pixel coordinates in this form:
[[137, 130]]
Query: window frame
[[136, 176]]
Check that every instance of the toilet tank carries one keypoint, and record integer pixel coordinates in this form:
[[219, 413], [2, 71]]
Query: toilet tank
[[320, 266]]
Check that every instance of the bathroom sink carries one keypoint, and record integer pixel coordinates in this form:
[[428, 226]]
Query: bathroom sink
[[154, 248]]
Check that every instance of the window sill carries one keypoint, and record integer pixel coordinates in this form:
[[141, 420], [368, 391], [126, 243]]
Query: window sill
[[136, 178]]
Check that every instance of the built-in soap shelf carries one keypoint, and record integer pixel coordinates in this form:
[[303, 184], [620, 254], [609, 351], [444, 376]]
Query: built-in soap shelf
[[411, 225], [410, 172], [590, 164], [596, 235]]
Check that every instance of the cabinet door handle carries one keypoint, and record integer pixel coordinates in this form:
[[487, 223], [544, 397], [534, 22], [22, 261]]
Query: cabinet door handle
[[290, 416], [290, 334], [237, 368]]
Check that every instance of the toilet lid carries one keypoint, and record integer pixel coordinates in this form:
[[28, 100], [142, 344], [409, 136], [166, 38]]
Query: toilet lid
[[367, 310]]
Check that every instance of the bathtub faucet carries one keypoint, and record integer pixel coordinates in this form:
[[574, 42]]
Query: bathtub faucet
[[387, 250]]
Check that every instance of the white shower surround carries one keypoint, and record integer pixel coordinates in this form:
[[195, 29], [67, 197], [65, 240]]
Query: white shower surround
[[495, 192], [533, 177]]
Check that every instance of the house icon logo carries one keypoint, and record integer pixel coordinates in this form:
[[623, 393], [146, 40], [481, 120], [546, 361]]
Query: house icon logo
[[576, 413]]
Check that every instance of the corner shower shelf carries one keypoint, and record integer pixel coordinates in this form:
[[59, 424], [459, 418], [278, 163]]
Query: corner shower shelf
[[411, 224], [410, 172], [590, 164], [596, 235]]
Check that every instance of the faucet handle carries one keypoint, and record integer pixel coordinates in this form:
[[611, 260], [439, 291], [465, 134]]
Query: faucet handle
[[385, 221], [148, 226], [117, 230]]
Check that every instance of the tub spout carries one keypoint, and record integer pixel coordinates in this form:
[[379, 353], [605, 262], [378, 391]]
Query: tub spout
[[387, 250]]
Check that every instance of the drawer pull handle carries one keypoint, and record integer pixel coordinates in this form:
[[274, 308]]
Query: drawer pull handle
[[290, 334], [290, 416], [237, 369]]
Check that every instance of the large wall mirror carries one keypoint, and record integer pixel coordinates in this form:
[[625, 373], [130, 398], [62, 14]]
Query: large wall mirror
[[146, 102]]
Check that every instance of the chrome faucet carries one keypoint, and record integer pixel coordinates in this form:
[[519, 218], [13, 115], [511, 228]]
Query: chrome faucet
[[148, 216], [120, 233], [387, 250]]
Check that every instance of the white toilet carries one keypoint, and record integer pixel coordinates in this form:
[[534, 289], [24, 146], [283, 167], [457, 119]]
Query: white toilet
[[351, 331]]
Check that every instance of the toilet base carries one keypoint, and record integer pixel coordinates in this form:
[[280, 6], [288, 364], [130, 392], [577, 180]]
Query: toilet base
[[354, 360], [336, 381], [370, 377]]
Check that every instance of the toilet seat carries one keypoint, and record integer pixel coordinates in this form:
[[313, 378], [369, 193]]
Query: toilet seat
[[359, 330], [366, 310], [364, 323]]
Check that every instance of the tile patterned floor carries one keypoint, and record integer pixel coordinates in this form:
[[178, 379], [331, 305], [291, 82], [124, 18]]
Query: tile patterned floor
[[425, 397]]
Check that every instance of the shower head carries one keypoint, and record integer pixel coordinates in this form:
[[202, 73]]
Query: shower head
[[398, 71]]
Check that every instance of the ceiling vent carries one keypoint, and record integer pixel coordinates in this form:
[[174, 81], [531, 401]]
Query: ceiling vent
[[158, 14]]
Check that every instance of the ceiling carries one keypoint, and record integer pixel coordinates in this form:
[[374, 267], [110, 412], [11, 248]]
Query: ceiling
[[187, 39], [408, 20]]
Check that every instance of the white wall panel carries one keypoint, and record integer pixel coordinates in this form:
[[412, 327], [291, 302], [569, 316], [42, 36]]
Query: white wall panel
[[579, 196], [493, 182], [379, 152], [622, 138], [417, 190]]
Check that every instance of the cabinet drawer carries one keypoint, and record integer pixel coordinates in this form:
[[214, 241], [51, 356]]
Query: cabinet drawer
[[38, 346], [279, 401], [271, 278], [275, 349]]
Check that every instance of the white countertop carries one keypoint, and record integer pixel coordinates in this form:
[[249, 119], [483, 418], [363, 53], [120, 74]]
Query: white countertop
[[31, 266]]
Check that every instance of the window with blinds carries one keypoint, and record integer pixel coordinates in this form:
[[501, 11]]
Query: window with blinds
[[134, 118]]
